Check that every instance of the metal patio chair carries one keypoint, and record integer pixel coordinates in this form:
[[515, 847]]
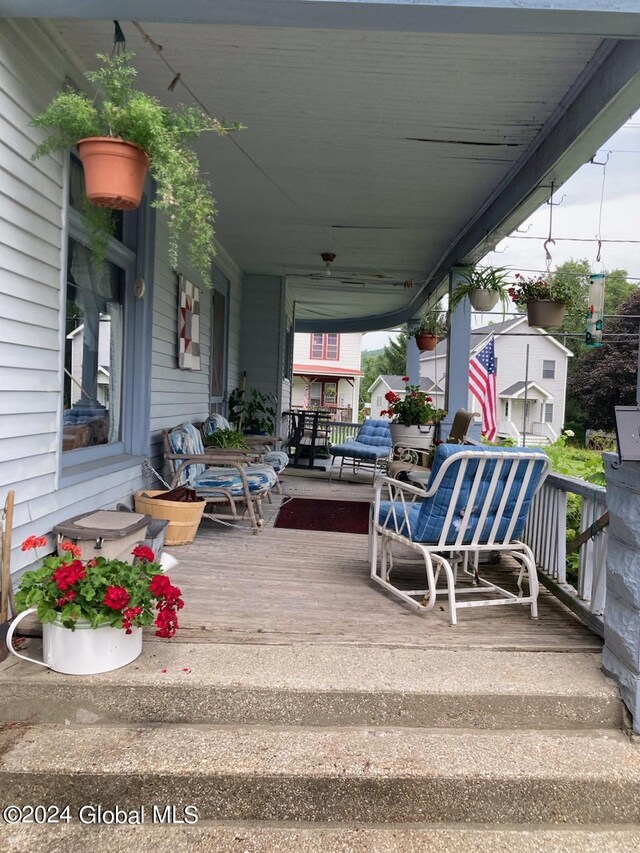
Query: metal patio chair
[[477, 499], [221, 476], [370, 447]]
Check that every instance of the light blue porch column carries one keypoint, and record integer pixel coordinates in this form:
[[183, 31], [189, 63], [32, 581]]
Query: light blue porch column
[[621, 653], [458, 349], [413, 355]]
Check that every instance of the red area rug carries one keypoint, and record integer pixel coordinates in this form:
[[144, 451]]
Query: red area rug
[[330, 516]]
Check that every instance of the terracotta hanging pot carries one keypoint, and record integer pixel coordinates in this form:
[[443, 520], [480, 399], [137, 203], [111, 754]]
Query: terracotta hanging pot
[[426, 343], [114, 171], [545, 313], [483, 299]]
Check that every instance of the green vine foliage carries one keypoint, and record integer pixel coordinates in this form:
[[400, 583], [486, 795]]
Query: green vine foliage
[[165, 134]]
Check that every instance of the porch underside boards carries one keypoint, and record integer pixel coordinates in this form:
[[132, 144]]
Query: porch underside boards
[[296, 586]]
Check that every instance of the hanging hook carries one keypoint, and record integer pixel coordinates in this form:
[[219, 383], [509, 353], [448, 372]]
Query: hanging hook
[[547, 254], [524, 230], [553, 203], [599, 255], [119, 40], [595, 162], [501, 251]]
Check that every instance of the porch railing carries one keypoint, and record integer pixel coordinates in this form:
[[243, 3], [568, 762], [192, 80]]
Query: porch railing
[[340, 431], [567, 533]]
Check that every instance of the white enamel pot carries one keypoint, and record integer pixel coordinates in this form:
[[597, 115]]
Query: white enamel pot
[[85, 651]]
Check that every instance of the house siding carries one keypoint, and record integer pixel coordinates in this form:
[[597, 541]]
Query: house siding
[[511, 356], [263, 309], [33, 66]]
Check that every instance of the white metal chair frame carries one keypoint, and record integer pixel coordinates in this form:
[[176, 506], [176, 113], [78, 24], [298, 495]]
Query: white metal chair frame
[[455, 556]]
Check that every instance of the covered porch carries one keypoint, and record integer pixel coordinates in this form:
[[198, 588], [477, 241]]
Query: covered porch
[[407, 138]]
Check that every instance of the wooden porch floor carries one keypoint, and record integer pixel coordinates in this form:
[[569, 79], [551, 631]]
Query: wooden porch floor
[[285, 586]]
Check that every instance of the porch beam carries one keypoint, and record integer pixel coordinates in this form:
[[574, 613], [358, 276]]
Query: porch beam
[[602, 98], [458, 354], [619, 19], [413, 354]]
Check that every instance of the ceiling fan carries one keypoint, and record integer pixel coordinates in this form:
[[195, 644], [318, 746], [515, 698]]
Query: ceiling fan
[[344, 278]]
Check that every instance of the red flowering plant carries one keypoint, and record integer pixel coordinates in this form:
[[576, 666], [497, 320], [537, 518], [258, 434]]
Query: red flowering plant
[[414, 408], [117, 593], [535, 289]]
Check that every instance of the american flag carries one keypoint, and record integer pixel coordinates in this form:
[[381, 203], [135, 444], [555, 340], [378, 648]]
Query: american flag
[[482, 384]]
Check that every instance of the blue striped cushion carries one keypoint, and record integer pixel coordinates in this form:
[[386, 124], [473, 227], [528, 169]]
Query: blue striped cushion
[[278, 459], [186, 439], [259, 477], [427, 526]]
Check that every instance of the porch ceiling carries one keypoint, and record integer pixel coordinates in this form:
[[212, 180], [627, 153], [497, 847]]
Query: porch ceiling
[[384, 147]]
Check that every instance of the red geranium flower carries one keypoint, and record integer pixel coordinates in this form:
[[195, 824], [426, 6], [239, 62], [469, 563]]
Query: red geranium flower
[[116, 597], [128, 616], [68, 596], [74, 550], [405, 378], [159, 585], [68, 574], [143, 552], [32, 542]]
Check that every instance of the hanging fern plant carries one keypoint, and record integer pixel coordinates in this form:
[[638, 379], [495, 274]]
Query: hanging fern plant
[[122, 112]]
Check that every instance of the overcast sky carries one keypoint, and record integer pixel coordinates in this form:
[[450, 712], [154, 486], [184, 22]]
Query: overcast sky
[[578, 217]]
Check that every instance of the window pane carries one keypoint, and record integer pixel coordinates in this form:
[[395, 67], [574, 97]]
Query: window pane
[[315, 394], [332, 346], [548, 413], [94, 326], [548, 370], [218, 344], [316, 346]]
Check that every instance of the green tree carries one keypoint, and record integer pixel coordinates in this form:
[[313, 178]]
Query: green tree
[[394, 356], [606, 377]]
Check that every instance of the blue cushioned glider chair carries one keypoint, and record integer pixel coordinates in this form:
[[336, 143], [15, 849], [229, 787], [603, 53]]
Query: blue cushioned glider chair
[[218, 476], [370, 447], [477, 499]]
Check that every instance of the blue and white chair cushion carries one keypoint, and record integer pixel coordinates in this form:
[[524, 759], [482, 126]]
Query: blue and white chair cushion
[[426, 519], [372, 442], [260, 479], [186, 439]]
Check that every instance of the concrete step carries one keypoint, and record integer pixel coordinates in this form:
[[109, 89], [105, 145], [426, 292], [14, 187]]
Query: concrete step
[[320, 685], [344, 774], [270, 838]]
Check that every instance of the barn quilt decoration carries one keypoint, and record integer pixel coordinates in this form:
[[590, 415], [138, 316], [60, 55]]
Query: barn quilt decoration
[[188, 325]]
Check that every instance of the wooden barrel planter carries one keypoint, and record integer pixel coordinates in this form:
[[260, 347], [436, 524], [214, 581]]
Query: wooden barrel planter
[[183, 517]]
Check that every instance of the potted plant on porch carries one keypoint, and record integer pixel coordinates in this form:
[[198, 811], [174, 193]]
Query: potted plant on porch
[[119, 134], [432, 327], [92, 612], [483, 285], [414, 416], [545, 301]]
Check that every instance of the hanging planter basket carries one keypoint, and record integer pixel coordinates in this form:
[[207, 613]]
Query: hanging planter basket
[[483, 299], [545, 313], [114, 171], [426, 343]]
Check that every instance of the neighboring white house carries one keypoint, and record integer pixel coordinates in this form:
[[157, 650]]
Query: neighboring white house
[[386, 382], [547, 378], [326, 373]]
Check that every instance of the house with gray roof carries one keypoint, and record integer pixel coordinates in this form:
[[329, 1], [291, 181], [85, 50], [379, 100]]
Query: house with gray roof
[[386, 382], [531, 400]]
